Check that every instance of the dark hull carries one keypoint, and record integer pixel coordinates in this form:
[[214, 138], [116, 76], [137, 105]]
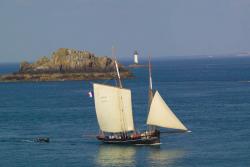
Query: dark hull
[[140, 141]]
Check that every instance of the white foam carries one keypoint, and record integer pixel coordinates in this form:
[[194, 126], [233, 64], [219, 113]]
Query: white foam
[[155, 144], [28, 141]]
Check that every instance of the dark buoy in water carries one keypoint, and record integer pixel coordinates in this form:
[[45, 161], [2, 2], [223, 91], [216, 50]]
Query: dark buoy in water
[[42, 139]]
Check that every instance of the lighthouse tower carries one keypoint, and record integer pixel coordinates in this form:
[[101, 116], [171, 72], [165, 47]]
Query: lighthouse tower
[[135, 57]]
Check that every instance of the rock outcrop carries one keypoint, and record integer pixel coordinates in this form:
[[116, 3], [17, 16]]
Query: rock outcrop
[[67, 64], [69, 61]]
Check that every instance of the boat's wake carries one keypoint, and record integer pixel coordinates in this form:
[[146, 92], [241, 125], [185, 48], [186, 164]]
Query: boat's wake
[[24, 140], [28, 141], [154, 144]]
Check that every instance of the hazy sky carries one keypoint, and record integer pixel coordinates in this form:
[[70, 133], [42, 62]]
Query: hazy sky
[[30, 29]]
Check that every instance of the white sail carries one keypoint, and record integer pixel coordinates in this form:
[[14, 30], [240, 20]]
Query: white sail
[[161, 115], [126, 104], [113, 108]]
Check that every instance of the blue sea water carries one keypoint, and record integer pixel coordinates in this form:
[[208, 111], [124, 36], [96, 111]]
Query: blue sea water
[[210, 96]]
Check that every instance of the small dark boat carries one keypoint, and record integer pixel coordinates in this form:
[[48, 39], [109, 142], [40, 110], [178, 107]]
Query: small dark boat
[[113, 105], [42, 139]]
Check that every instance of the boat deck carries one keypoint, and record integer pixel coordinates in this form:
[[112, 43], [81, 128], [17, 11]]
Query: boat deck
[[143, 138]]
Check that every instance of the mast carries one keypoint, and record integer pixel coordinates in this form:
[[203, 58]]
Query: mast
[[159, 114], [117, 68], [118, 74], [121, 105], [150, 90]]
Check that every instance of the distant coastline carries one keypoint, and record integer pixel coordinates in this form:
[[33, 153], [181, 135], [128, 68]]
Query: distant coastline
[[67, 64]]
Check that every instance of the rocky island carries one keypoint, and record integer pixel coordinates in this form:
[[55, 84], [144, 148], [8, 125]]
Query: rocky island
[[67, 64]]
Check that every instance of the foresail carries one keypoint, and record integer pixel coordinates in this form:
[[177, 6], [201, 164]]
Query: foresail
[[113, 108], [161, 115]]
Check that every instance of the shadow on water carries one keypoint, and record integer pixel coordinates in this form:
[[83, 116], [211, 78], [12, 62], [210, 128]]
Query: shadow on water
[[119, 155]]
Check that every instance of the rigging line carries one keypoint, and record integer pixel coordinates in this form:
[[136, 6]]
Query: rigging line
[[118, 83], [121, 112], [123, 116]]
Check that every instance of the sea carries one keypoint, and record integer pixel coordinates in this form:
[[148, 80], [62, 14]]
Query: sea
[[211, 96]]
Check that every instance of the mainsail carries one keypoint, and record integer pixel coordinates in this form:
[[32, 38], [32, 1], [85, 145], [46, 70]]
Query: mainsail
[[113, 108], [161, 115]]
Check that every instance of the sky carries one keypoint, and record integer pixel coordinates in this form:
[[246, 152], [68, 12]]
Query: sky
[[30, 29]]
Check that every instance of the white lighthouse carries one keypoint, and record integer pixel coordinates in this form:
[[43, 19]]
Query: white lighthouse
[[135, 57]]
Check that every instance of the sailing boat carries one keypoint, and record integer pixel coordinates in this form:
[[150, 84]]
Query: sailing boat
[[113, 105]]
